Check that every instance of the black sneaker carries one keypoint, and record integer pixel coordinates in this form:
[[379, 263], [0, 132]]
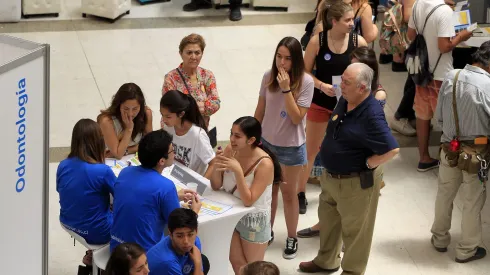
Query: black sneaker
[[426, 166], [272, 238], [303, 202], [480, 254], [195, 5], [291, 248], [235, 13]]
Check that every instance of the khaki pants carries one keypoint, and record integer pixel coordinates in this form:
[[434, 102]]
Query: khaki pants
[[346, 212], [474, 195]]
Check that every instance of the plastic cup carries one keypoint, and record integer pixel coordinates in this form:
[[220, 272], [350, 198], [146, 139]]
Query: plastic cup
[[192, 186]]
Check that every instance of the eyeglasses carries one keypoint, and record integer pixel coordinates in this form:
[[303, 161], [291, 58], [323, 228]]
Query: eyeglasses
[[170, 152]]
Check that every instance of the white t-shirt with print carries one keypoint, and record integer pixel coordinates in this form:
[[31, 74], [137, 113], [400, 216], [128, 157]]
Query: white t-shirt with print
[[192, 149], [440, 24]]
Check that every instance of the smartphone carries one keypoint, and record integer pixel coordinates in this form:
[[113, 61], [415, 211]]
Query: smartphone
[[367, 178]]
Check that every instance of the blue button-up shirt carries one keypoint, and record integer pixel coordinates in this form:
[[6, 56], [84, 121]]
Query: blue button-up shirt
[[353, 136]]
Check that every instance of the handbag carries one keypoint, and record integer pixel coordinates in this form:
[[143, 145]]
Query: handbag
[[393, 40], [213, 133]]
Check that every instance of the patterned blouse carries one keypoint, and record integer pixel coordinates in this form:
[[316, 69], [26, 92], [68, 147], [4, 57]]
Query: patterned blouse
[[205, 91]]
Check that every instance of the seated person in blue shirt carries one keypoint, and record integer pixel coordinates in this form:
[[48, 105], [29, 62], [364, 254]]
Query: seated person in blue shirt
[[127, 259], [143, 198], [84, 184], [180, 252]]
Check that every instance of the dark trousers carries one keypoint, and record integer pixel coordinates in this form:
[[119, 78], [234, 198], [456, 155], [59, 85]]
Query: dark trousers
[[405, 109], [235, 2]]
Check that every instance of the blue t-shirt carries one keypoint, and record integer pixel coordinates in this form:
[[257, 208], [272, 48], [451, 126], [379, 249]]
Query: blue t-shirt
[[143, 200], [84, 190], [163, 260], [353, 136]]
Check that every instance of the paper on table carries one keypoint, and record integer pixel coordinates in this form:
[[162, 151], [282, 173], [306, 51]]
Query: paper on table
[[336, 80]]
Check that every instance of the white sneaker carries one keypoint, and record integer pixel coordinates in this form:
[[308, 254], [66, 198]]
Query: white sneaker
[[403, 127]]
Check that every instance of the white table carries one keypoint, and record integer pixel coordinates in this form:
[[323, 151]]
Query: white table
[[216, 231], [475, 41]]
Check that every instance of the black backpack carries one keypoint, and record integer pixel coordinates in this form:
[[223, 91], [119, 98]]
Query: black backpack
[[417, 57]]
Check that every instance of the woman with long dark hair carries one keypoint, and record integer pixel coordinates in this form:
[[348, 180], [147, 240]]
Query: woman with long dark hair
[[127, 259], [125, 122], [248, 170], [84, 184], [182, 119], [285, 97]]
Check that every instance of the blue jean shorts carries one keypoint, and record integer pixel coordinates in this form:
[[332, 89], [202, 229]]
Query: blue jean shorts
[[289, 156], [258, 232]]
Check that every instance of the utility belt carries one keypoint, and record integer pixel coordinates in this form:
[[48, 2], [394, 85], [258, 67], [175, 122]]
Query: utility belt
[[467, 156], [470, 157]]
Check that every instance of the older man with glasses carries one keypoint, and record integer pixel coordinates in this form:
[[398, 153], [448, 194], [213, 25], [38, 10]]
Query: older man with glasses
[[358, 140]]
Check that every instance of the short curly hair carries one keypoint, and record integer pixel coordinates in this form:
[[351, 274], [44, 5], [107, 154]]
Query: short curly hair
[[192, 39]]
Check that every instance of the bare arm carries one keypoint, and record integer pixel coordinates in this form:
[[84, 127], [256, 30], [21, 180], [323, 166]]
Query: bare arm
[[310, 56], [369, 30], [209, 172], [361, 42], [446, 44], [116, 147], [411, 33], [217, 176], [407, 9], [260, 109], [149, 122], [264, 175], [295, 112], [377, 160]]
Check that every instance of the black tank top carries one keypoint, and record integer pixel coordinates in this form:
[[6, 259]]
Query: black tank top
[[329, 64]]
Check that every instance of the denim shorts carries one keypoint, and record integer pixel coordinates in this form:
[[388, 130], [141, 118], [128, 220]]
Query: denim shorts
[[258, 232], [289, 156]]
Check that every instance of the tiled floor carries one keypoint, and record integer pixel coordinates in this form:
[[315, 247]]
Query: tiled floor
[[70, 9], [88, 67]]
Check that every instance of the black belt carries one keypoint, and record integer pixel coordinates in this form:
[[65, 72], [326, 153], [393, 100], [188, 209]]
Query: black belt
[[343, 176]]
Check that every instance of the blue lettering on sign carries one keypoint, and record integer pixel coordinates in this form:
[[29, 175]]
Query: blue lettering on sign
[[21, 130]]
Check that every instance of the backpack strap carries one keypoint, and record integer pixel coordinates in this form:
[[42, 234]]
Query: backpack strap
[[455, 109], [249, 170], [430, 13]]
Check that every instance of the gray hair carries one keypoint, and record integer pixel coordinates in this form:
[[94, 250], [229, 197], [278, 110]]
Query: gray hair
[[365, 75], [482, 55]]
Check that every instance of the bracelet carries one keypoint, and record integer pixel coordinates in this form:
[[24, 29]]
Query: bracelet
[[285, 92], [321, 86]]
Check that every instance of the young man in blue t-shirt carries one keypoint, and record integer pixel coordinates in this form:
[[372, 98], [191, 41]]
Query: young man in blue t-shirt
[[180, 252], [143, 198]]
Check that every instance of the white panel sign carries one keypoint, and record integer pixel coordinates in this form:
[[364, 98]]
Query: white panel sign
[[22, 168]]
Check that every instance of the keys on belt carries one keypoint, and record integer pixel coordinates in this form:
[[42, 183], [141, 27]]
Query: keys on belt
[[483, 172]]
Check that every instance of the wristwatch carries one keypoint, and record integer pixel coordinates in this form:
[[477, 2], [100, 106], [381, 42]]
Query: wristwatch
[[367, 165]]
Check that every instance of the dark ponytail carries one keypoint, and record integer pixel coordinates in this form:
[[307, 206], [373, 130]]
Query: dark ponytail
[[251, 127], [177, 102]]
